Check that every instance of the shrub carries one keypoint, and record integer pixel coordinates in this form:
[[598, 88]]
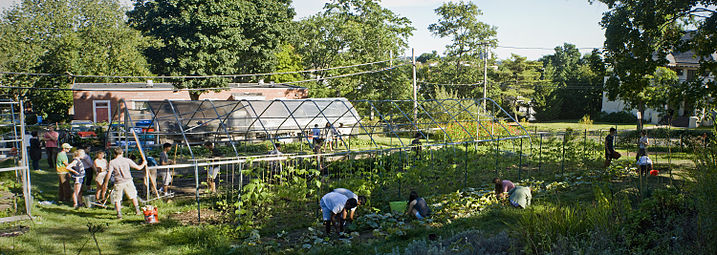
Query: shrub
[[622, 117], [468, 242]]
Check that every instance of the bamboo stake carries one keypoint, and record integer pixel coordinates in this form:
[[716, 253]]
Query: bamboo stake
[[146, 170]]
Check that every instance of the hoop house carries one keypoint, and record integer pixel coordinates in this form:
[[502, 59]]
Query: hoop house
[[318, 129]]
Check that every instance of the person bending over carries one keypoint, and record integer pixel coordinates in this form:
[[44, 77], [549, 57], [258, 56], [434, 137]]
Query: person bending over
[[520, 197], [417, 206], [360, 199], [502, 187], [334, 208]]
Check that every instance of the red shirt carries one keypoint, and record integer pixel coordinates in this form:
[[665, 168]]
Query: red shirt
[[51, 139]]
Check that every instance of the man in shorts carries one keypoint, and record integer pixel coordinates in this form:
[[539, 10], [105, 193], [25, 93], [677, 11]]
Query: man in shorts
[[165, 173], [334, 207], [120, 168], [212, 171]]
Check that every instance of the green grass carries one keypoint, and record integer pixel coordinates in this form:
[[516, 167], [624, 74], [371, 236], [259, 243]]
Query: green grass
[[561, 125], [58, 229]]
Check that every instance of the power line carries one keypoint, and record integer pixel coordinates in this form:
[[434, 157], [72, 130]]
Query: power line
[[451, 84], [199, 89], [541, 48], [192, 76]]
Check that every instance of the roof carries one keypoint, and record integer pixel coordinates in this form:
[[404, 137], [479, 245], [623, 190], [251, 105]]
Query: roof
[[165, 86], [687, 58]]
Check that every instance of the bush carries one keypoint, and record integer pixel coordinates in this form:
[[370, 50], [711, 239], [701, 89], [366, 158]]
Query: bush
[[622, 117], [468, 242]]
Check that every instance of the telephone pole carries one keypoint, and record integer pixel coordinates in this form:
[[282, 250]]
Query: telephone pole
[[415, 92]]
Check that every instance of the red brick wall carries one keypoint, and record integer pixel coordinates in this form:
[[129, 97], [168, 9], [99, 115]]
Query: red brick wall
[[83, 99]]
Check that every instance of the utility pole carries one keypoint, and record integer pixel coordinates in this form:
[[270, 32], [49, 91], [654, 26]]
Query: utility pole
[[415, 93], [485, 76]]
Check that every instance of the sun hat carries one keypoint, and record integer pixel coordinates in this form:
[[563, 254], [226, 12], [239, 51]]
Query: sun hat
[[66, 146]]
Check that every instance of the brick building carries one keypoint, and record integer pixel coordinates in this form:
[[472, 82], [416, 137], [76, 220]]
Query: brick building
[[98, 102]]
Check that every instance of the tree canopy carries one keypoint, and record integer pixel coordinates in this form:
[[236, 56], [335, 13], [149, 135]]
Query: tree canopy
[[66, 37], [212, 37]]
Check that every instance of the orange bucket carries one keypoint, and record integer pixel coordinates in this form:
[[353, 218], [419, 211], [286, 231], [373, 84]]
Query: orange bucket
[[150, 215]]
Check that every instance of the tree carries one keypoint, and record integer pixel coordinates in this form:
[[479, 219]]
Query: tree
[[425, 57], [640, 34], [459, 21], [66, 37], [517, 76], [576, 83], [349, 32], [471, 40], [212, 37]]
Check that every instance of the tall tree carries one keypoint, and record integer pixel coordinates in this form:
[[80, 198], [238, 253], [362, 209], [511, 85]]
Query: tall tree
[[66, 37], [517, 77], [349, 32], [470, 38], [576, 83], [212, 37], [640, 34]]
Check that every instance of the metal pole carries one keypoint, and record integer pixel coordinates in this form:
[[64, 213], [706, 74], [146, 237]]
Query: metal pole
[[520, 159], [24, 163], [465, 168], [540, 153], [415, 88], [485, 76], [562, 162]]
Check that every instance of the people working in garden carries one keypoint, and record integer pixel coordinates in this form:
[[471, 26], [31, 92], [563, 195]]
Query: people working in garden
[[520, 197], [349, 194], [642, 145], [101, 168], [51, 139], [610, 152], [64, 192], [328, 136], [120, 168], [316, 135], [334, 207], [89, 168], [417, 206], [502, 187], [644, 163], [416, 144], [212, 171], [77, 171], [35, 151], [165, 173]]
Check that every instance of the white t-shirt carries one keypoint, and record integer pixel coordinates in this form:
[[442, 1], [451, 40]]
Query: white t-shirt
[[334, 201], [643, 142], [644, 161], [348, 194], [101, 164]]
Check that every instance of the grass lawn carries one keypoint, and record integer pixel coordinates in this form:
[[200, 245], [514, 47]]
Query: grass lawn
[[561, 125]]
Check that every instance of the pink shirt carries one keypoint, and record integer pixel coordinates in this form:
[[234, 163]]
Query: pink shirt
[[507, 185], [51, 139]]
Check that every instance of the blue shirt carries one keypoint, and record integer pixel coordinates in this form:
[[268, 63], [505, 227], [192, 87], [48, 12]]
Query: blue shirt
[[334, 201]]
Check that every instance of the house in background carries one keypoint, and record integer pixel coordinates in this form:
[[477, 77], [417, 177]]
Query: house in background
[[98, 102], [685, 64]]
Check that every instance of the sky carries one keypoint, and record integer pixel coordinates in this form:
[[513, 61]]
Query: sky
[[542, 24]]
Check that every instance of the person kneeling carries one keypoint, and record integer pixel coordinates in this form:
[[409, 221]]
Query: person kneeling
[[334, 207], [417, 206], [520, 197]]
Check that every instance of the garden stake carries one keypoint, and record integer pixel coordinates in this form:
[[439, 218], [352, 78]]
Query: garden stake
[[465, 169], [540, 154], [585, 144], [520, 159], [562, 162]]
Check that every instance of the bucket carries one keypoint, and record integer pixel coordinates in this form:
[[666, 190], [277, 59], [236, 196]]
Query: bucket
[[150, 215], [89, 199], [398, 206]]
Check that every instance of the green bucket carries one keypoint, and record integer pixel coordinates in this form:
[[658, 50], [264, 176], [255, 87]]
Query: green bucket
[[398, 206]]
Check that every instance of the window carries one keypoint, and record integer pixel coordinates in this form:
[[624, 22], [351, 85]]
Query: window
[[679, 72]]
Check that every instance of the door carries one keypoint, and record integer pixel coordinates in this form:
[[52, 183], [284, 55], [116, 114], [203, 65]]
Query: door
[[101, 109]]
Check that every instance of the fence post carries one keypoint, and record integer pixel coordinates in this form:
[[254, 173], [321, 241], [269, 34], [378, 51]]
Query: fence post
[[669, 154], [540, 154], [562, 162], [585, 146], [520, 159], [465, 168], [497, 141]]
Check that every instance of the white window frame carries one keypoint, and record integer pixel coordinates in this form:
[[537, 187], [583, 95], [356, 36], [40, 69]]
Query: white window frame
[[94, 110]]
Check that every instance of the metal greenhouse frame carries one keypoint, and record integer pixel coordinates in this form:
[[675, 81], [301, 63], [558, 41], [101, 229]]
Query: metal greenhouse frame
[[372, 126]]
